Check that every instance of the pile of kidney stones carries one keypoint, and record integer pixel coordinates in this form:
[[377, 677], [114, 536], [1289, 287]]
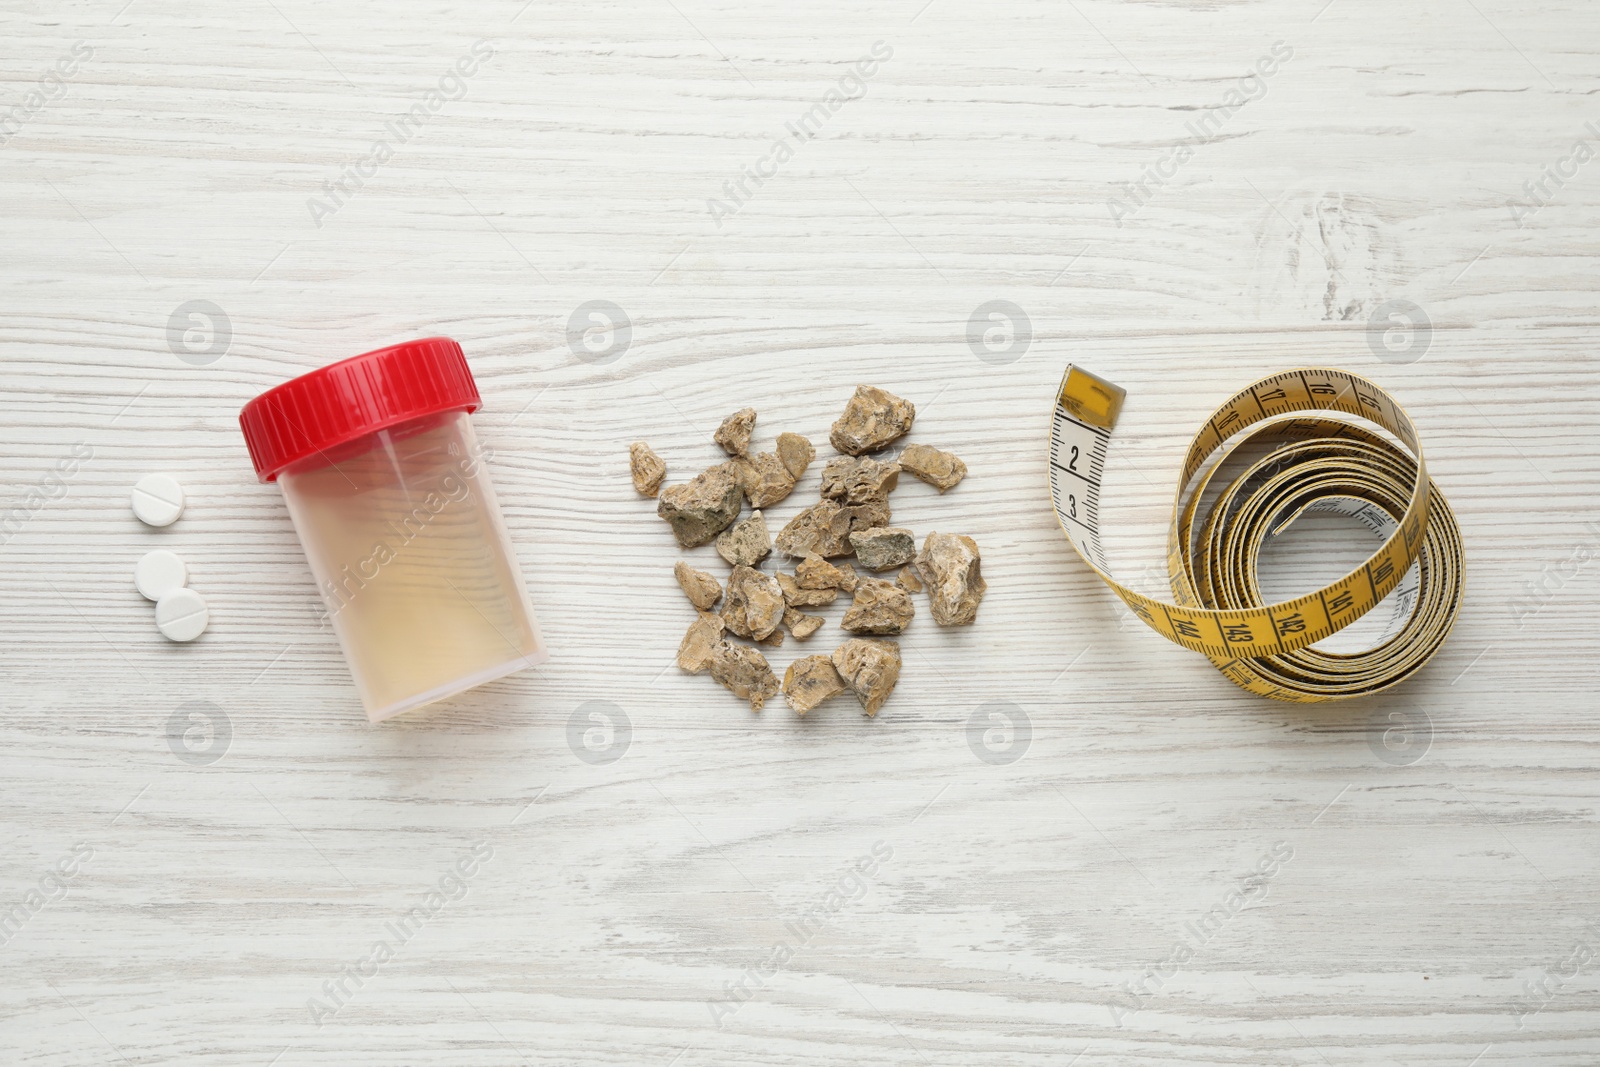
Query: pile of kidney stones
[[852, 519]]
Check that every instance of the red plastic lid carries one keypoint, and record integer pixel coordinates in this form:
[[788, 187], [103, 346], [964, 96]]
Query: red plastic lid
[[354, 397]]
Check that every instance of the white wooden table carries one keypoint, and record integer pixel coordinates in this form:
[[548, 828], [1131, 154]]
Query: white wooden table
[[239, 839]]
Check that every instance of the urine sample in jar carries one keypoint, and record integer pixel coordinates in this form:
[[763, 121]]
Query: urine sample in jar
[[387, 486]]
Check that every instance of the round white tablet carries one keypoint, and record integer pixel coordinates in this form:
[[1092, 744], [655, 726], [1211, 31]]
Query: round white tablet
[[159, 573], [181, 615], [158, 500]]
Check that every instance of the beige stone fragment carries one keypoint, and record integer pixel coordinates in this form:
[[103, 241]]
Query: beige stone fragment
[[859, 481], [701, 588], [764, 479], [939, 469], [755, 603], [880, 607], [802, 625], [872, 420], [951, 567], [705, 634], [850, 578], [870, 668], [909, 581], [773, 640], [703, 507], [649, 469], [868, 516], [822, 528], [883, 548], [745, 673], [809, 681], [734, 433], [795, 453], [814, 572], [797, 597], [746, 543]]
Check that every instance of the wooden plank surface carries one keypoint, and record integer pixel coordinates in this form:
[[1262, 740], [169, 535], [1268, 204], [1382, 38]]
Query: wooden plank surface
[[1168, 872]]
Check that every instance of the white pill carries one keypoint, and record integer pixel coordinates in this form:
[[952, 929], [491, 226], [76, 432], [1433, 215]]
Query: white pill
[[181, 615], [158, 500], [159, 573]]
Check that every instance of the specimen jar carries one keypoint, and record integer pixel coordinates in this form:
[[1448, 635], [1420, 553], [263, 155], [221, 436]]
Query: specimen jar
[[388, 489]]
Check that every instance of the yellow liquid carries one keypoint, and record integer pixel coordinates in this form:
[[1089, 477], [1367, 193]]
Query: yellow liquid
[[409, 550]]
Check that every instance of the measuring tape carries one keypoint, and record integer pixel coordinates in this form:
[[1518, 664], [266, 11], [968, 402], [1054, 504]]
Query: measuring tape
[[1293, 464]]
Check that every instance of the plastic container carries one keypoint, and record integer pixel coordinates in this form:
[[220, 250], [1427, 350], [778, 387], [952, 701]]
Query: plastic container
[[387, 487]]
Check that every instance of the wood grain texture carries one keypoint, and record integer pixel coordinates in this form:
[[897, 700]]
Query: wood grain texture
[[1420, 907]]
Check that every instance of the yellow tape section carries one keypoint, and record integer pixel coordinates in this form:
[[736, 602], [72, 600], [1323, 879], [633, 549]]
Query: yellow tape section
[[1292, 463]]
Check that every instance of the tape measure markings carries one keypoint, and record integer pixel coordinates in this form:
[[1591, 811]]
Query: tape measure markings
[[1315, 463], [1097, 445]]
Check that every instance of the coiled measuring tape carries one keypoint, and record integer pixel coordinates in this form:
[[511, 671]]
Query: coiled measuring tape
[[1292, 464]]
